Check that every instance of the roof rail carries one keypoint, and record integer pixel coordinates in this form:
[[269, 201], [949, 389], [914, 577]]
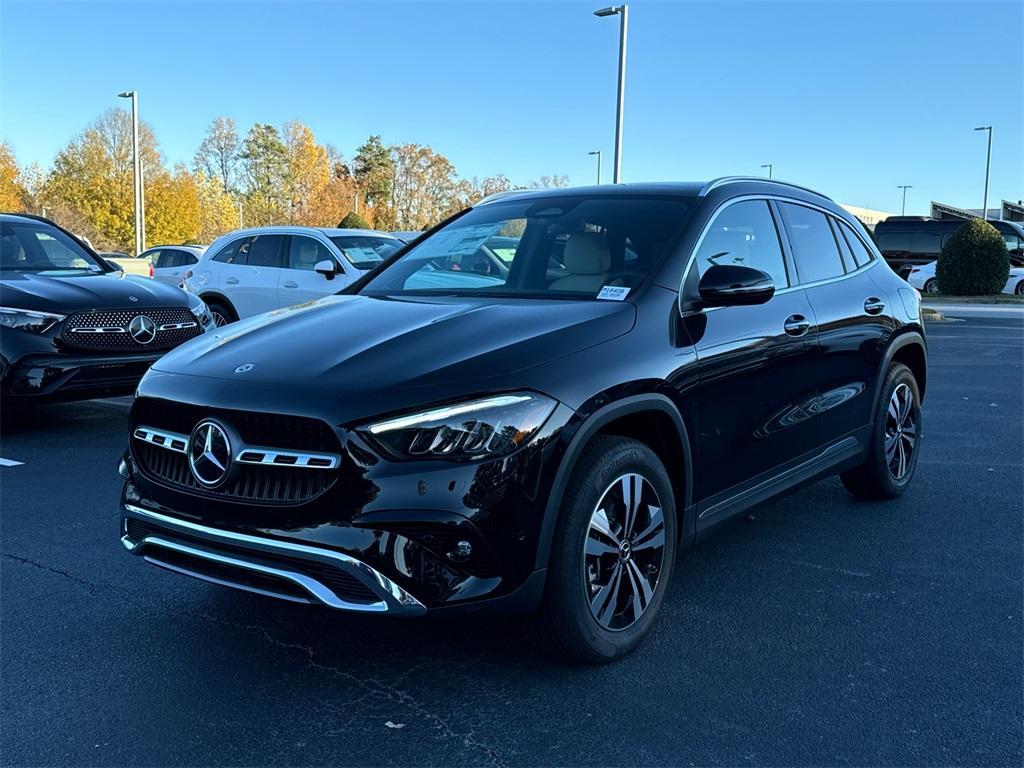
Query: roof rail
[[506, 193], [722, 181]]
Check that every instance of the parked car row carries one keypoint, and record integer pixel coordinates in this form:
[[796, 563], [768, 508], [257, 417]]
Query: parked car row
[[912, 244]]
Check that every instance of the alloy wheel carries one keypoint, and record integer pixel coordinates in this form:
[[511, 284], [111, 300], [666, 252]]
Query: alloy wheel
[[900, 431], [931, 286], [219, 320], [624, 552]]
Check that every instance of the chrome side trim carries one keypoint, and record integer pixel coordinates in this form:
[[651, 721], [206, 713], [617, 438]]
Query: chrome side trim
[[395, 599], [169, 440], [724, 180], [271, 456], [100, 329]]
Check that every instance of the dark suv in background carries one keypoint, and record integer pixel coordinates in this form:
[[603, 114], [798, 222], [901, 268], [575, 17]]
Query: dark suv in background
[[73, 327], [909, 241], [656, 359]]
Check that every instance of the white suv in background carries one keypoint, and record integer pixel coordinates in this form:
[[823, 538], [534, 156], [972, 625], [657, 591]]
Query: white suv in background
[[251, 271]]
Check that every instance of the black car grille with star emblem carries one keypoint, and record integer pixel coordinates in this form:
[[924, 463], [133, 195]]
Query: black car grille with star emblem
[[281, 459], [112, 330]]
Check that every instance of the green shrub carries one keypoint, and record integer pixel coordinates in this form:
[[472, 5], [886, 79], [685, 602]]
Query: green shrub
[[353, 221], [974, 261]]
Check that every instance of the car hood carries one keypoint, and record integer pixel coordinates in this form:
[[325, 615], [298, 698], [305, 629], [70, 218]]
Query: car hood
[[64, 295], [353, 343]]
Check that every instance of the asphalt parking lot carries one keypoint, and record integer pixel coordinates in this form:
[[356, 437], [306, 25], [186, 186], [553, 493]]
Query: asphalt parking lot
[[816, 631]]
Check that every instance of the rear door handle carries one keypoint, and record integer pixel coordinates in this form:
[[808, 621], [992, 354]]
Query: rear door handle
[[231, 280], [290, 284], [797, 325], [874, 305]]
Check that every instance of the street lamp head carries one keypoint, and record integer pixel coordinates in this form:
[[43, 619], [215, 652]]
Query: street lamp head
[[611, 10], [983, 128], [126, 94], [595, 152]]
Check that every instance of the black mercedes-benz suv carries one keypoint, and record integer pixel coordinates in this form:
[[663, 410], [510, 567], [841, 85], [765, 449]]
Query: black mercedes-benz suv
[[652, 360], [72, 327]]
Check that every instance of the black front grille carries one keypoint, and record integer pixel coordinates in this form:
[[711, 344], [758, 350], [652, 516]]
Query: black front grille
[[268, 430], [342, 583], [122, 340], [260, 484]]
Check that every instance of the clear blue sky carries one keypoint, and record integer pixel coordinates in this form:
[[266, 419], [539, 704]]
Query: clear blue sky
[[849, 97]]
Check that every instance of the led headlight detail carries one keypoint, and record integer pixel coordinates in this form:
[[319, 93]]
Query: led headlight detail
[[26, 320], [469, 431], [198, 308]]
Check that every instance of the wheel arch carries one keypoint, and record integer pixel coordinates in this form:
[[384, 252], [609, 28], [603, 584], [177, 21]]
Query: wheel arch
[[219, 297], [908, 348], [632, 417]]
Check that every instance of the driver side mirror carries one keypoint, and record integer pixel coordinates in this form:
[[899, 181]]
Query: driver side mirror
[[327, 268], [731, 285]]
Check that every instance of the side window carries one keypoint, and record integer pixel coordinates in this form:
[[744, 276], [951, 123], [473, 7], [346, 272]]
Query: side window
[[861, 254], [744, 234], [893, 242], [926, 244], [188, 258], [171, 259], [814, 247], [154, 257], [305, 252], [264, 251], [229, 254], [844, 249]]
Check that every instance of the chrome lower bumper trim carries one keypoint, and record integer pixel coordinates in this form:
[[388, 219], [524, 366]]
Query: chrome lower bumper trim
[[393, 599]]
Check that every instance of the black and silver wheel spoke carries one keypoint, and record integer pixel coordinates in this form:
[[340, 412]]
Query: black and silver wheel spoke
[[623, 551], [900, 431]]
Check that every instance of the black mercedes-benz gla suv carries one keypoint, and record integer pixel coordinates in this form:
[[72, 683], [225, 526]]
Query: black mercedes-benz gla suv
[[545, 421], [73, 327]]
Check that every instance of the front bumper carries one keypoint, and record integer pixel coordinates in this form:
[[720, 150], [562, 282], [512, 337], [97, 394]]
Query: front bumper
[[74, 377], [286, 570]]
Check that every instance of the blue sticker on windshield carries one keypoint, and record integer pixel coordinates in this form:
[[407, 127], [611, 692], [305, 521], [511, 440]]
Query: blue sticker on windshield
[[613, 292]]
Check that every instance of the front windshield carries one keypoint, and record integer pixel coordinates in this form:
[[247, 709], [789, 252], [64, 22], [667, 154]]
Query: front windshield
[[582, 247], [31, 246], [365, 251]]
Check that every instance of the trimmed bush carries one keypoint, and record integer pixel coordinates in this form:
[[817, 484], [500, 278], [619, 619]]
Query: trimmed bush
[[353, 221], [974, 261]]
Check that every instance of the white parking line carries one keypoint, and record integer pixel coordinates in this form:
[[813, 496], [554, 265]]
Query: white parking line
[[10, 462]]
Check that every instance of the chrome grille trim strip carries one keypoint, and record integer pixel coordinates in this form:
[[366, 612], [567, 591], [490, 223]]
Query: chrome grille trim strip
[[270, 456], [168, 440], [176, 326], [394, 599], [100, 329]]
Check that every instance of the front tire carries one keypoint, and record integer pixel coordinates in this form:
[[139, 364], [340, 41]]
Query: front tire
[[895, 440], [1019, 288], [931, 286], [222, 315], [612, 552]]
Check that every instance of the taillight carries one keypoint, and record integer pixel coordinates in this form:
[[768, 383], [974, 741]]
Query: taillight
[[151, 272]]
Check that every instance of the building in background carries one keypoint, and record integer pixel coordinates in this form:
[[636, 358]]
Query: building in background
[[1007, 212], [867, 216]]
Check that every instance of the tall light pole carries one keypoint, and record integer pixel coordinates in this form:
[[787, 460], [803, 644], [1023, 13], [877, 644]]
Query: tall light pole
[[598, 153], [240, 225], [904, 187], [140, 204], [988, 163], [769, 167], [623, 12]]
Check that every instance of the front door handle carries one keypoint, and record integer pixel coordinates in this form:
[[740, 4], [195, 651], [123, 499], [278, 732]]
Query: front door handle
[[874, 305], [797, 325], [231, 280], [290, 284]]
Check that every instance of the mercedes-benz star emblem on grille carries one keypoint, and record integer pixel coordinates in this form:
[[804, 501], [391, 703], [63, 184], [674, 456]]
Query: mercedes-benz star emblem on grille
[[244, 368], [142, 329], [209, 453]]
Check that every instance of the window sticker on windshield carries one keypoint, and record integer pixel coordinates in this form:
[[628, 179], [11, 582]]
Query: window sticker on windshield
[[613, 292], [462, 241]]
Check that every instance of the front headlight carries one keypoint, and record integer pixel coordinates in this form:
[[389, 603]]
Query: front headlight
[[202, 312], [469, 431], [26, 320]]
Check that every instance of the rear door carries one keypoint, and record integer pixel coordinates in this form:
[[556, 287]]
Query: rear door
[[756, 363], [250, 278], [298, 281], [168, 266], [850, 310]]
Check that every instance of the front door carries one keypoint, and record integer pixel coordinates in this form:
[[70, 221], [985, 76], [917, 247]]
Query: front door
[[298, 281], [756, 363]]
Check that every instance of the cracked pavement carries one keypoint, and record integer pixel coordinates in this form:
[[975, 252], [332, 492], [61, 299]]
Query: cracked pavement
[[814, 631]]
